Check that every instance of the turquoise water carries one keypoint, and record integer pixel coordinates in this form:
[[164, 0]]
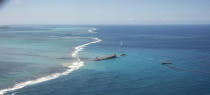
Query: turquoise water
[[139, 72], [29, 52]]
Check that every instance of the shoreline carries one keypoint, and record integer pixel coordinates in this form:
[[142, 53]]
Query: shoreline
[[75, 66]]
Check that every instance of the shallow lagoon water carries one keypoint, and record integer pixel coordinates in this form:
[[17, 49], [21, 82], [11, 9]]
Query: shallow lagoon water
[[31, 52]]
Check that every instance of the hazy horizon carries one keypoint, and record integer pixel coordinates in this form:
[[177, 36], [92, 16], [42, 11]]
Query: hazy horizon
[[94, 12]]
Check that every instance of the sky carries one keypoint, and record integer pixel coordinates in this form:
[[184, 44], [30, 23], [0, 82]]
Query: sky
[[102, 12]]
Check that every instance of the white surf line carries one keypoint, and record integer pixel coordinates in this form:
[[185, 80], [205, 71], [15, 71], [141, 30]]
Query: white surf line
[[81, 47], [76, 65], [92, 30]]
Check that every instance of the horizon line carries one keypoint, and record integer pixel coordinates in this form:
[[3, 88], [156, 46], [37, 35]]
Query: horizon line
[[100, 24]]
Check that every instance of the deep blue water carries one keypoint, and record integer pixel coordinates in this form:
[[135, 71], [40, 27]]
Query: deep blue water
[[139, 72]]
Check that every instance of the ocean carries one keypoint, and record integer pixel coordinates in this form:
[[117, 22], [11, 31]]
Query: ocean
[[58, 60]]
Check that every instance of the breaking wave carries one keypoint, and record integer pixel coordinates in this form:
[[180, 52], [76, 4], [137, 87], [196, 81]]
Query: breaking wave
[[92, 30]]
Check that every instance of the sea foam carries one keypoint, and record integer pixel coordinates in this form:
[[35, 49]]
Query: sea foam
[[76, 65], [92, 30]]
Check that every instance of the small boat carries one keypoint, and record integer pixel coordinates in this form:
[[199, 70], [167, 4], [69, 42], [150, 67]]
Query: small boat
[[106, 57], [164, 63], [122, 54]]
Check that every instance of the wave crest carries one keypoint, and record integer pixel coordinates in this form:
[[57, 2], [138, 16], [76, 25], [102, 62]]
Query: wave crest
[[92, 30]]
